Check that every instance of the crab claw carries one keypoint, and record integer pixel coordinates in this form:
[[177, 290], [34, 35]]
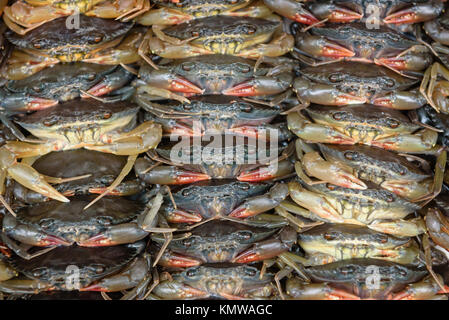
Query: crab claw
[[181, 216], [340, 14], [260, 86], [176, 260], [416, 13], [400, 100], [50, 240], [293, 10], [20, 102], [171, 175], [438, 227], [182, 85], [263, 203], [320, 46], [176, 290], [324, 94], [275, 170]]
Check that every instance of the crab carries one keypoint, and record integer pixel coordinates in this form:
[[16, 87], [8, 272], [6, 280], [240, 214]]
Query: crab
[[190, 162], [225, 241], [216, 114], [372, 12], [328, 243], [226, 200], [62, 82], [241, 36], [110, 221], [88, 124], [217, 281], [170, 13], [24, 16], [346, 165], [213, 74], [348, 82], [349, 280], [364, 124], [437, 221], [377, 209], [93, 171], [106, 269], [354, 42], [96, 41]]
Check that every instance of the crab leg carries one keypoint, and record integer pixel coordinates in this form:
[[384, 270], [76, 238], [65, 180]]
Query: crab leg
[[279, 46], [316, 291], [21, 64], [22, 249], [422, 290], [119, 9], [163, 16], [24, 286], [258, 204], [111, 82]]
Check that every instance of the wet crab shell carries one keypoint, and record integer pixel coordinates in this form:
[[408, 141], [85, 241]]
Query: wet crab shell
[[55, 36], [92, 263], [102, 167], [69, 221]]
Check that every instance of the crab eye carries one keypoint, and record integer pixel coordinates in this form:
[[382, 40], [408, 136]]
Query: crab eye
[[244, 186], [244, 235], [192, 272], [389, 83], [338, 116], [195, 34], [97, 268], [243, 68], [46, 223], [186, 192], [335, 77], [187, 242], [107, 115], [348, 270], [246, 108], [331, 187], [393, 123], [250, 29], [381, 238], [329, 236], [350, 155], [187, 66], [400, 271], [389, 198], [251, 272], [91, 76], [49, 123], [36, 45], [39, 272], [105, 221], [232, 1]]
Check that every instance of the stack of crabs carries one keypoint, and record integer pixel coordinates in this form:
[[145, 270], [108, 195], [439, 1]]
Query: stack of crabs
[[224, 149]]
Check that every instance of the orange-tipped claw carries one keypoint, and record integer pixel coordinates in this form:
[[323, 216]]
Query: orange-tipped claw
[[96, 241], [245, 89], [394, 63], [40, 103], [179, 261], [98, 90], [384, 101], [50, 240], [402, 16], [252, 255], [241, 212], [344, 99], [102, 190], [180, 216], [95, 287], [336, 51], [260, 174], [305, 18], [182, 85], [190, 177], [344, 15]]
